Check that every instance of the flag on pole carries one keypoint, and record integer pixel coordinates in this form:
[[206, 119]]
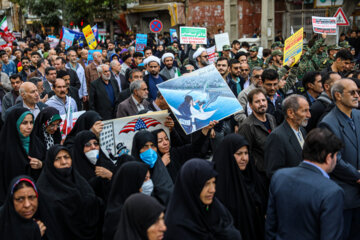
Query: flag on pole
[[68, 120], [4, 25]]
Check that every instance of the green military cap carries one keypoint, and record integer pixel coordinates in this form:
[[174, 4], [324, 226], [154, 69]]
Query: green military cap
[[226, 48], [334, 47], [277, 53], [344, 44], [277, 44], [175, 50], [254, 49]]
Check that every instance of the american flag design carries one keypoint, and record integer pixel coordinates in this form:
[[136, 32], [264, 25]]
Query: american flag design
[[138, 124]]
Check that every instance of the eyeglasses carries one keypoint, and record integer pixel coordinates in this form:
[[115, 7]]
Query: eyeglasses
[[88, 144], [257, 76], [244, 70], [354, 93]]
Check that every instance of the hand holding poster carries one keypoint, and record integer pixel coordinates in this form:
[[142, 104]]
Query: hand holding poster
[[117, 134], [90, 37], [192, 35], [293, 46], [221, 40], [141, 41], [198, 98], [324, 25]]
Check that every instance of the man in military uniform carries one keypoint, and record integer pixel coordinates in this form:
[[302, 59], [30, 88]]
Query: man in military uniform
[[253, 59], [226, 52], [332, 50], [320, 55], [276, 60], [345, 45], [277, 46]]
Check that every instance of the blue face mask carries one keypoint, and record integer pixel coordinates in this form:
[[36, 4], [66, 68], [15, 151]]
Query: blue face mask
[[149, 157], [147, 187]]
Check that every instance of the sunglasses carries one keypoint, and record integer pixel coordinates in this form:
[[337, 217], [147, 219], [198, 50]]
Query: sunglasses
[[88, 144]]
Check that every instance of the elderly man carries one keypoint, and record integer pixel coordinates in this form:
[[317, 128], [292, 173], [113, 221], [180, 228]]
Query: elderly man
[[60, 100], [83, 60], [76, 67], [201, 58], [91, 73], [30, 100], [103, 94], [127, 61], [154, 77], [169, 71], [344, 121], [136, 102], [284, 145], [135, 74], [115, 74]]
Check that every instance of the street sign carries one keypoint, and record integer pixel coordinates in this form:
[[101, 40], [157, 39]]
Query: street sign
[[341, 19], [156, 26]]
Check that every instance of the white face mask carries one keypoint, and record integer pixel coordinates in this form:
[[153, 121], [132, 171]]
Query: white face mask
[[93, 156], [147, 187]]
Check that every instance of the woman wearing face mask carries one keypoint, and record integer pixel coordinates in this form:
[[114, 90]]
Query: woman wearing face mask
[[21, 152], [18, 214], [240, 187], [144, 149], [47, 126], [72, 210], [92, 164], [174, 157], [132, 177], [193, 211], [90, 120], [142, 218]]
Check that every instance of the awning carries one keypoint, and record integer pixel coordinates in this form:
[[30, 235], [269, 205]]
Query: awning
[[176, 10]]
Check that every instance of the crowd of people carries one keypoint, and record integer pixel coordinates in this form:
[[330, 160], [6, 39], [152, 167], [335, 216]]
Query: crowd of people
[[287, 166]]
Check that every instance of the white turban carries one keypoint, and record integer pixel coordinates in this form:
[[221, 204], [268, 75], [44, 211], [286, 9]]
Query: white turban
[[198, 52], [150, 59], [166, 55]]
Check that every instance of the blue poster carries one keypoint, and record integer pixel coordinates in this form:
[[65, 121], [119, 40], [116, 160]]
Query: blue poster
[[198, 98], [90, 55], [79, 35], [68, 38], [141, 41], [173, 35]]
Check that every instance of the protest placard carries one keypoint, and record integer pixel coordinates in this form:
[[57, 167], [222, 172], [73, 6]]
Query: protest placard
[[68, 38], [173, 35], [293, 46], [324, 25], [141, 41], [211, 53], [90, 55], [90, 37], [221, 40], [79, 35], [117, 134], [198, 98], [192, 35], [53, 41]]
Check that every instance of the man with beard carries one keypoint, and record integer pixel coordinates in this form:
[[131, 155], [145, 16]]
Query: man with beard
[[222, 65], [10, 97], [245, 75], [60, 100], [25, 63], [344, 121], [313, 86], [342, 61], [75, 67], [136, 102], [103, 94], [233, 78], [276, 60], [60, 64], [154, 77], [257, 127], [284, 145], [201, 58], [169, 71], [253, 59]]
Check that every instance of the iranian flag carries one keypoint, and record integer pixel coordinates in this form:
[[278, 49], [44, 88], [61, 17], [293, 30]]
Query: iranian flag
[[4, 25], [68, 120]]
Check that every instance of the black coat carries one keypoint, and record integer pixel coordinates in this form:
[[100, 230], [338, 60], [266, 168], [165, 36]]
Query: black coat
[[99, 101]]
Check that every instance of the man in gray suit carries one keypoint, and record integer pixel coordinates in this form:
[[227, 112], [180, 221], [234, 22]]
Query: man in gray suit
[[284, 145], [344, 121], [136, 102]]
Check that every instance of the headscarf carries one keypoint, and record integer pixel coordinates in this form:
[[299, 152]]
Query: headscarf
[[44, 119], [12, 225], [163, 184], [127, 180], [72, 208], [240, 191], [139, 213], [84, 122], [187, 217], [24, 140], [14, 160]]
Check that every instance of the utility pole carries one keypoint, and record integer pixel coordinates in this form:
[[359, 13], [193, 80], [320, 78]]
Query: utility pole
[[267, 22], [231, 19]]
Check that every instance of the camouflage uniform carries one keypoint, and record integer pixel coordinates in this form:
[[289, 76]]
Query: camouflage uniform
[[254, 63], [328, 60]]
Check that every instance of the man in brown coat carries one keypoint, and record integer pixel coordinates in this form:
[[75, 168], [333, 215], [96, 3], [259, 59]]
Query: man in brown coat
[[91, 73]]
